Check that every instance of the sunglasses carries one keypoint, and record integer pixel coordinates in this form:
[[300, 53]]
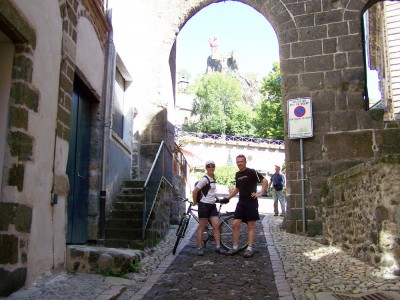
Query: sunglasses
[[210, 166]]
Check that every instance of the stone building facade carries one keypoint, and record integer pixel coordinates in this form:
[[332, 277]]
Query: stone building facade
[[66, 136], [55, 54]]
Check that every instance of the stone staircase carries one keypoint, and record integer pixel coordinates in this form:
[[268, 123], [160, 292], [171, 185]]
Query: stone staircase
[[124, 224]]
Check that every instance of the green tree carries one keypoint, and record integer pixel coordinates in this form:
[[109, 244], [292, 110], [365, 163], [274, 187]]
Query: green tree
[[224, 175], [271, 85], [241, 122], [217, 98], [269, 121]]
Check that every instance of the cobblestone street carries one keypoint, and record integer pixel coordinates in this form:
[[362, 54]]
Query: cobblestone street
[[286, 266]]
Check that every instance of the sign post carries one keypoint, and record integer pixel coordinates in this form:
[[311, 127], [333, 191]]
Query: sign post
[[300, 125]]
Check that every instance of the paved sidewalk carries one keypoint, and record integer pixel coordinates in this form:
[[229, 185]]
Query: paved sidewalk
[[297, 266]]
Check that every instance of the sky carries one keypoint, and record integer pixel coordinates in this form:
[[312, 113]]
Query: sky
[[238, 27]]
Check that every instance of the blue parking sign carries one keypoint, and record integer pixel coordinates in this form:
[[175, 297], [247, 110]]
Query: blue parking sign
[[300, 122]]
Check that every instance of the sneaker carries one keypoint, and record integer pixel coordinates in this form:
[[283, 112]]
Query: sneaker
[[248, 254], [200, 252], [220, 250], [232, 252], [275, 215]]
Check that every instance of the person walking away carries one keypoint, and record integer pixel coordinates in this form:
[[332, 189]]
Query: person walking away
[[207, 208], [247, 206], [278, 182]]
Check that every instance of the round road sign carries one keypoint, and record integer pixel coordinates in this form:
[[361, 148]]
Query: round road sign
[[299, 111]]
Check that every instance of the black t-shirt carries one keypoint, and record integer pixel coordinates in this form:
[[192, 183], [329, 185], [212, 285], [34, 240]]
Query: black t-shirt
[[246, 182]]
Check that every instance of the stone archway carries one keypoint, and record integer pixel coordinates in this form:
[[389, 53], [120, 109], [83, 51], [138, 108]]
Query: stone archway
[[321, 57]]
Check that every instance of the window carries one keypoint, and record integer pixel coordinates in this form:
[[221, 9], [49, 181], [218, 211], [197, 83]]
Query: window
[[118, 108], [6, 61], [122, 113], [382, 43]]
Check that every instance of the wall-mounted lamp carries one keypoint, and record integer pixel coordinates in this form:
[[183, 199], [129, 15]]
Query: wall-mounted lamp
[[183, 84]]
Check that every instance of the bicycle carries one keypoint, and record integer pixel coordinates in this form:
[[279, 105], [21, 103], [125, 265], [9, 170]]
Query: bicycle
[[225, 227]]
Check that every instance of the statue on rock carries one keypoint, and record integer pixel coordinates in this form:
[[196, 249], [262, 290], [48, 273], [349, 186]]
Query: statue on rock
[[219, 63], [214, 63], [214, 44]]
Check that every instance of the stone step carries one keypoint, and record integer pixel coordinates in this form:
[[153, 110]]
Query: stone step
[[130, 198], [124, 223], [133, 184], [129, 244], [123, 233], [128, 206], [126, 214], [96, 260], [131, 191]]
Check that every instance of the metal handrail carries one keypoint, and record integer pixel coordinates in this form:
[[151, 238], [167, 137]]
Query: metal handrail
[[201, 135], [161, 170]]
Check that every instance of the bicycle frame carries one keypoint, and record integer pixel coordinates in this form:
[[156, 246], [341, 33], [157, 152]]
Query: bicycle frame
[[220, 215], [225, 220], [208, 229]]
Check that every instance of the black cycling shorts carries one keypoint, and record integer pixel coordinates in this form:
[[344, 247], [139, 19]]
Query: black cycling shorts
[[207, 210], [247, 210]]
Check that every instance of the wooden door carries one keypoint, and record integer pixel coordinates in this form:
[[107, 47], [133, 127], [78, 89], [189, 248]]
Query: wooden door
[[78, 168]]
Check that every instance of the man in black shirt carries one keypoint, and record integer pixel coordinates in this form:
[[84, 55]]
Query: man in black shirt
[[247, 207]]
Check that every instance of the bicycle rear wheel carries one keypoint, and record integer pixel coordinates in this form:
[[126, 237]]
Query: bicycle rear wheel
[[180, 233], [226, 230]]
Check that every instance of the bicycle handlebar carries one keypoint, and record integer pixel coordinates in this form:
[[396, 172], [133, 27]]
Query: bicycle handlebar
[[220, 201], [183, 199]]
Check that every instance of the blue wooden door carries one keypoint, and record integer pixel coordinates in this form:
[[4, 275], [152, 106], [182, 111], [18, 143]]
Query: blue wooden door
[[78, 168]]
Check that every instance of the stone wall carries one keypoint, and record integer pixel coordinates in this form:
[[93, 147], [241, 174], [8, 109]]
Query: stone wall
[[14, 245], [160, 221], [361, 211], [331, 153], [24, 100], [262, 156]]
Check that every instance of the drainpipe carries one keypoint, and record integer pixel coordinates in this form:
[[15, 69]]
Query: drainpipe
[[108, 89]]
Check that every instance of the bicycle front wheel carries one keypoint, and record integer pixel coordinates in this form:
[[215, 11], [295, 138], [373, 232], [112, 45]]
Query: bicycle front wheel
[[226, 230], [180, 233]]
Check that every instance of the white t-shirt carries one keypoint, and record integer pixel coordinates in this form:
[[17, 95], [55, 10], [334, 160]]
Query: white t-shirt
[[210, 197]]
